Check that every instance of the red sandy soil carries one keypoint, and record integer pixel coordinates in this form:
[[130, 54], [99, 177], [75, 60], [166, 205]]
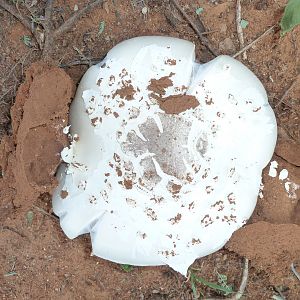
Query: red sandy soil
[[37, 261]]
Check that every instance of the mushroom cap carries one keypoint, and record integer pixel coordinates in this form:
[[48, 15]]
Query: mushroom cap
[[167, 154]]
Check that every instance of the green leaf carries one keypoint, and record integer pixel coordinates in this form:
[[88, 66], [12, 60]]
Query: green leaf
[[36, 19], [127, 268], [101, 27], [291, 16], [244, 23], [12, 273], [211, 285], [199, 10], [222, 280], [276, 297], [29, 217], [194, 289], [26, 39]]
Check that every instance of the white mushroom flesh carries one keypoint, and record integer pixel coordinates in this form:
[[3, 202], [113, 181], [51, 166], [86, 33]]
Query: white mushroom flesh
[[156, 187]]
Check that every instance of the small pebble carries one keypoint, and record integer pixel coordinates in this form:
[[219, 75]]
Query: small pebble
[[283, 174], [144, 10], [223, 28], [227, 45], [273, 167]]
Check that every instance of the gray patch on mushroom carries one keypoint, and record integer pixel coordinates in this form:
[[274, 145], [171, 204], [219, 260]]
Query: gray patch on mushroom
[[201, 145], [168, 146]]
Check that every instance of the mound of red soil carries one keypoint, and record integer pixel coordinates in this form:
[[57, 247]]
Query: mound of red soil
[[270, 247], [30, 156]]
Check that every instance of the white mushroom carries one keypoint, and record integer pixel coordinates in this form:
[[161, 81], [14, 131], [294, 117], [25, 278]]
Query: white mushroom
[[167, 154]]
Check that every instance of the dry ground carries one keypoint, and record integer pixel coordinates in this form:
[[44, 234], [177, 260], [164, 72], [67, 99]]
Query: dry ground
[[37, 261]]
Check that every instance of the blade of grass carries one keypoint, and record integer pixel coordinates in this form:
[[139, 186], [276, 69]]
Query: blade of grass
[[211, 285], [10, 274], [194, 289], [127, 268]]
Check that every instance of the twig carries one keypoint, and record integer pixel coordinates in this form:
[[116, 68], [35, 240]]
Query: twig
[[238, 295], [295, 271], [243, 285], [279, 292], [45, 213], [203, 39], [188, 277], [14, 12], [13, 230], [239, 27], [67, 25], [45, 43], [48, 28], [83, 62], [201, 25], [287, 91], [82, 55], [254, 42], [75, 63], [71, 21], [20, 61], [87, 61], [208, 32], [4, 94]]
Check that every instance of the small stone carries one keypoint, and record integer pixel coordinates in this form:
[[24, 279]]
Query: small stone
[[223, 28], [273, 167], [144, 10], [75, 7], [283, 174], [227, 45], [105, 6]]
